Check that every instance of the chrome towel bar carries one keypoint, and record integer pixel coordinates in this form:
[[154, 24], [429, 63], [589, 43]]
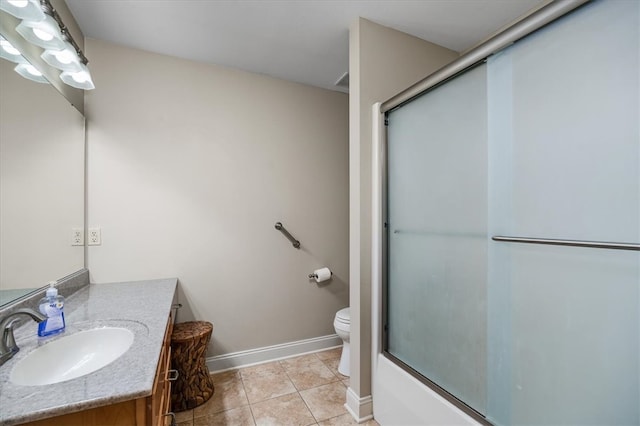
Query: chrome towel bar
[[571, 243], [286, 233]]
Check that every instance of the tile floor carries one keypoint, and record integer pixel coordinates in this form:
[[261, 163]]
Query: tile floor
[[306, 390]]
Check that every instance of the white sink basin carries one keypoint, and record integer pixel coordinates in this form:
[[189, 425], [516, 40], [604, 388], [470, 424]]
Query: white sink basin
[[72, 356]]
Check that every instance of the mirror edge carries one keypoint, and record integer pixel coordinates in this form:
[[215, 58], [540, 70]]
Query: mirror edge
[[66, 285]]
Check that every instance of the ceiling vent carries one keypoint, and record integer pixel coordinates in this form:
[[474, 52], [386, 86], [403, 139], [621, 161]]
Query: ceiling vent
[[343, 81]]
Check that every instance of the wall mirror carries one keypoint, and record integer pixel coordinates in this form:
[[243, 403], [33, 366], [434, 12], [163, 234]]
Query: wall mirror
[[42, 154]]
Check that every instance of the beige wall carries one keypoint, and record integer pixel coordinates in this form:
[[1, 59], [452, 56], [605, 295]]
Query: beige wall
[[382, 62], [190, 166]]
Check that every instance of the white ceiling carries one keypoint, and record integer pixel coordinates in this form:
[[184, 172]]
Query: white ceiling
[[306, 41]]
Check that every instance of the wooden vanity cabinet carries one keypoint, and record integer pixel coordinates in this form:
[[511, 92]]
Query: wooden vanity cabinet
[[152, 410], [159, 403]]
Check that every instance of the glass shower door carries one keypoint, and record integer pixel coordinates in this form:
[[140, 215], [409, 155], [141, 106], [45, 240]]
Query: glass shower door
[[437, 236], [564, 129]]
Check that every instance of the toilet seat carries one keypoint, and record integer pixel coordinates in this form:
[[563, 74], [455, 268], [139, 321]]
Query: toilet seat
[[343, 316]]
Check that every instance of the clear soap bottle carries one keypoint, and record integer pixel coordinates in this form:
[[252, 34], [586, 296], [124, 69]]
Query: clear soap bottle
[[52, 306]]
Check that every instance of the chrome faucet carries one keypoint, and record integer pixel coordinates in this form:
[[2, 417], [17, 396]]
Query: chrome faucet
[[8, 346]]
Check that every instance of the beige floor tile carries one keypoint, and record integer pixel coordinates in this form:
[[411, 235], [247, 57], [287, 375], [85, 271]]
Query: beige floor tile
[[345, 419], [184, 416], [332, 364], [311, 375], [284, 410], [236, 417], [347, 382], [227, 395], [225, 376], [266, 384], [330, 354], [326, 401], [262, 369], [299, 360]]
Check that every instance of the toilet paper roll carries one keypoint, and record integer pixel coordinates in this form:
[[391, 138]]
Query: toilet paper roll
[[322, 274]]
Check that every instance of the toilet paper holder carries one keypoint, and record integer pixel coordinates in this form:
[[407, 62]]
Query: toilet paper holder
[[314, 274]]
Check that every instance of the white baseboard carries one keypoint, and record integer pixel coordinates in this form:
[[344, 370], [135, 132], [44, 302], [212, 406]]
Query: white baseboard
[[361, 408], [271, 353]]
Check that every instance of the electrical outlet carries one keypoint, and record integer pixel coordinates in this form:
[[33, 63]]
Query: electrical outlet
[[95, 239], [77, 236]]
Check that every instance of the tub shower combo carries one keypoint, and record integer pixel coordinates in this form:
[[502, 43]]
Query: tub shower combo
[[507, 229]]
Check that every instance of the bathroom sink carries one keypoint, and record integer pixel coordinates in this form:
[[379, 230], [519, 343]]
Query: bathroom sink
[[72, 356]]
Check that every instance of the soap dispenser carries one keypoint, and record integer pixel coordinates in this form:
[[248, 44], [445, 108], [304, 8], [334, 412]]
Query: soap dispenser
[[51, 306]]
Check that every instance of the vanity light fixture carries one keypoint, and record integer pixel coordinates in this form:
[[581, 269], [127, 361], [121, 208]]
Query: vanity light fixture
[[23, 9], [45, 33], [79, 79], [30, 72], [45, 29], [10, 53], [64, 60]]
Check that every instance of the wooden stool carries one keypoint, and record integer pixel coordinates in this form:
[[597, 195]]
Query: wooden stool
[[194, 386]]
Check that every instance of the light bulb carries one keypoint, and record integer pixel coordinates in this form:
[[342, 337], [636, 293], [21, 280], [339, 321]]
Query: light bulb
[[10, 53], [32, 70], [64, 60], [64, 56], [45, 33], [42, 35], [31, 10], [8, 47], [80, 77]]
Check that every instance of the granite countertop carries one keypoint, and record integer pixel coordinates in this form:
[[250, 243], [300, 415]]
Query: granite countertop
[[141, 306]]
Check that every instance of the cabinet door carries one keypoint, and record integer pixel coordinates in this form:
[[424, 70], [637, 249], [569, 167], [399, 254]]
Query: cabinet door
[[160, 403]]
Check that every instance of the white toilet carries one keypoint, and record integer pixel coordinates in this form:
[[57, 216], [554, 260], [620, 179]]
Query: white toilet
[[342, 324]]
